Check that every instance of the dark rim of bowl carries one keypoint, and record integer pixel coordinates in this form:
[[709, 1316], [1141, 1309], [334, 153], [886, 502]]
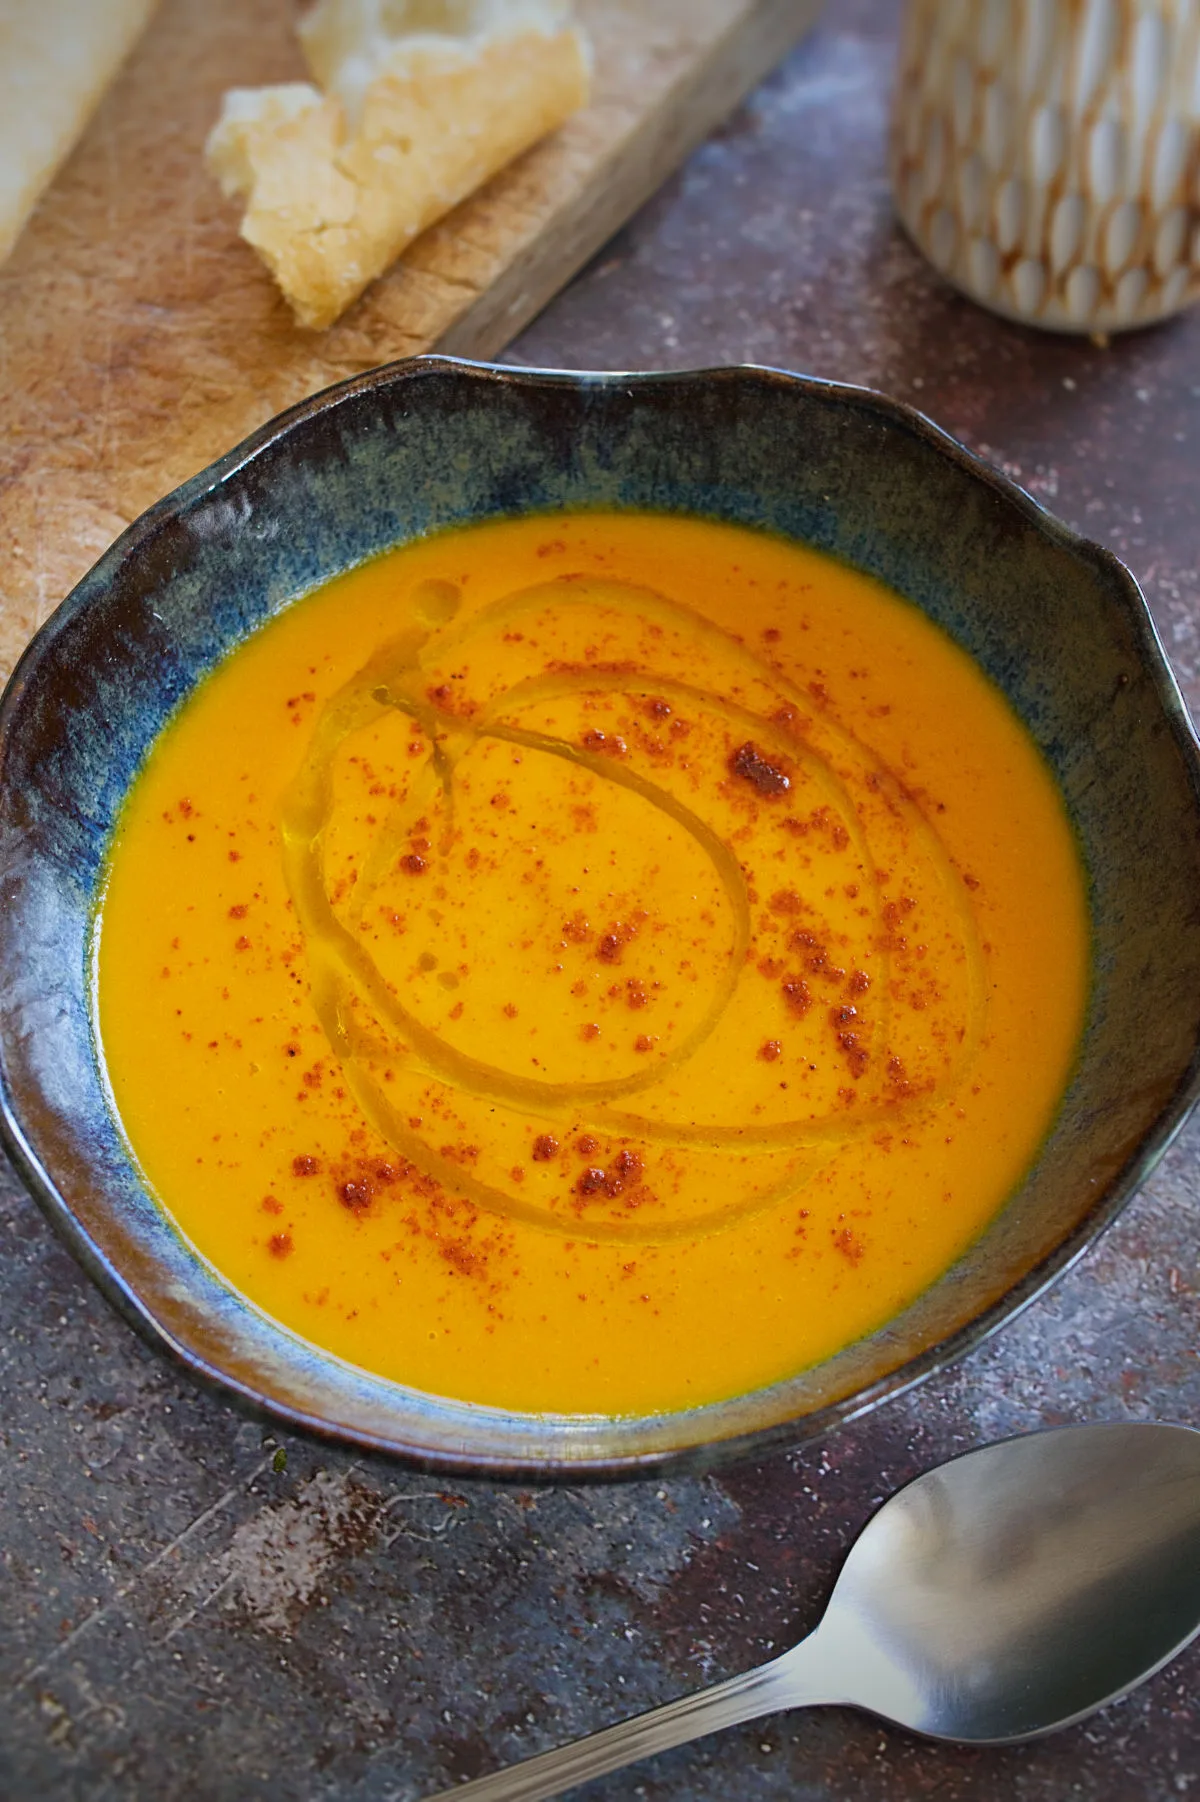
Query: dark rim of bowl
[[759, 1441]]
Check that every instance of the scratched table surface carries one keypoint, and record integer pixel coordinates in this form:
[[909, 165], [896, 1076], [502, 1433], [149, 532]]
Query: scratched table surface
[[196, 1606]]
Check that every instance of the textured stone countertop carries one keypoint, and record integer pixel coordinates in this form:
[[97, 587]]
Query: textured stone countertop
[[182, 1619]]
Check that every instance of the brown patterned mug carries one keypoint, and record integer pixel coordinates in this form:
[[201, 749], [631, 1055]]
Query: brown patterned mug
[[1046, 155]]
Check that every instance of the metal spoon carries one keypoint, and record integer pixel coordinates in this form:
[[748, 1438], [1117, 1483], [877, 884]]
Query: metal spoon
[[1008, 1593]]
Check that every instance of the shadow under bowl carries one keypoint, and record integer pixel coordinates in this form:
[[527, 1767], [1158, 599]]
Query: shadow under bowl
[[1058, 623]]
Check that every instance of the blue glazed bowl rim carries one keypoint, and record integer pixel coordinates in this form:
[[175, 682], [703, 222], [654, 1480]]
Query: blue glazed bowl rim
[[691, 1450]]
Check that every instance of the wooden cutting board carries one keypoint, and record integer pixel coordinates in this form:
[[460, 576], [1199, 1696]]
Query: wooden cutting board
[[140, 338]]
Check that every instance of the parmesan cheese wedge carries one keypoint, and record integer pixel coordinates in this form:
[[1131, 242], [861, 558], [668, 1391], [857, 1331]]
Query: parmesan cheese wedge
[[56, 59], [419, 103]]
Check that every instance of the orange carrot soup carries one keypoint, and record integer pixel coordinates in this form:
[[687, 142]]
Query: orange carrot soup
[[600, 963]]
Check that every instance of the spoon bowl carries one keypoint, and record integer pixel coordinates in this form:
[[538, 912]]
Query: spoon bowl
[[1006, 1594], [1022, 1586]]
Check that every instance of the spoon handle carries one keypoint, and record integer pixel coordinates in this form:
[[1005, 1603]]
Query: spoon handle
[[742, 1698]]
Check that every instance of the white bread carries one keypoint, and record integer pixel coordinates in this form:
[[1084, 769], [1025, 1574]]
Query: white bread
[[56, 59], [423, 101]]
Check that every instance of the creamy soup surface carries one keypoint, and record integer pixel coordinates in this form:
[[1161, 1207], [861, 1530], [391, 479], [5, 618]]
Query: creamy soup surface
[[590, 963]]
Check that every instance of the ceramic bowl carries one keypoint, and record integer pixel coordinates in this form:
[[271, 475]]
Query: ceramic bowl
[[1057, 622]]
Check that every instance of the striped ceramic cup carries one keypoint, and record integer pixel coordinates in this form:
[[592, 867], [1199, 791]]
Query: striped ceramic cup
[[1046, 155]]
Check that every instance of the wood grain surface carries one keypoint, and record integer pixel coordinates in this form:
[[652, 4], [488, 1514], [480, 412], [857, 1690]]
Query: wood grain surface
[[140, 338]]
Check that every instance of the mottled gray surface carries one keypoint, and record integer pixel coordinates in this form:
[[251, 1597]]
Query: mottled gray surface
[[184, 1620]]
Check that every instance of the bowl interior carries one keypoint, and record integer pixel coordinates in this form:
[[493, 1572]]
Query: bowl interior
[[1057, 623]]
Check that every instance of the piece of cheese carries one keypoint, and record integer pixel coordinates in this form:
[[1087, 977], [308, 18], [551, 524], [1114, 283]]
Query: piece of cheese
[[420, 102], [56, 59]]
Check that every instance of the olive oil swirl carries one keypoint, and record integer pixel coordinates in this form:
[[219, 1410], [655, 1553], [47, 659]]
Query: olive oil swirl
[[341, 970]]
